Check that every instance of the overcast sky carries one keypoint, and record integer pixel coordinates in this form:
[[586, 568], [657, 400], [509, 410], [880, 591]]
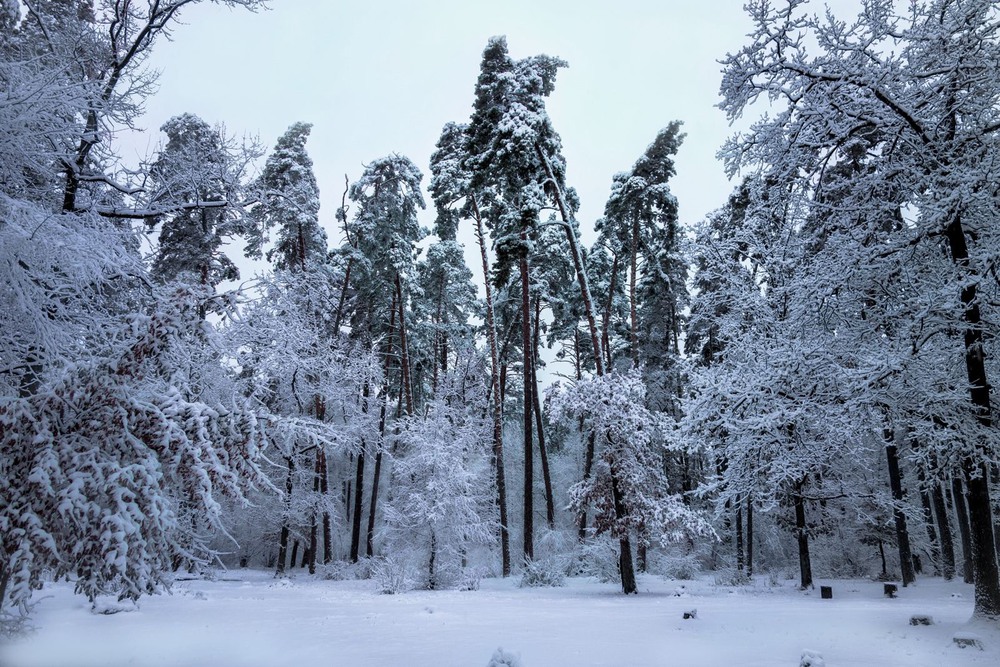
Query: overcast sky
[[381, 77]]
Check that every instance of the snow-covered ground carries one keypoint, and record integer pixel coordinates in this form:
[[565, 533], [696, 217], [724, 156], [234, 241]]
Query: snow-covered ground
[[247, 618]]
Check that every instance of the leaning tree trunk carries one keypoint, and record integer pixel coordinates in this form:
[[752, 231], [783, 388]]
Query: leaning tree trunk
[[588, 305], [497, 396], [902, 534], [543, 455]]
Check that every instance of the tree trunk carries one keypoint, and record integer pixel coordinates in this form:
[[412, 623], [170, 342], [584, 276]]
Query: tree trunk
[[581, 273], [606, 319], [928, 513], [377, 472], [543, 456], [295, 555], [749, 537], [802, 535], [283, 538], [359, 479], [431, 575], [498, 462], [632, 308], [376, 475], [625, 548], [984, 551], [739, 539], [314, 522], [588, 466], [359, 484], [404, 353], [327, 531], [902, 534], [529, 528], [944, 529], [958, 497]]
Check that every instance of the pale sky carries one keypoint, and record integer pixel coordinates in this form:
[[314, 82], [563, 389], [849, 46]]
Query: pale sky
[[381, 77]]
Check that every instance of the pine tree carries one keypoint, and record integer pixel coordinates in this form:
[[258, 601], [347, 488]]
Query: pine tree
[[290, 203], [195, 169]]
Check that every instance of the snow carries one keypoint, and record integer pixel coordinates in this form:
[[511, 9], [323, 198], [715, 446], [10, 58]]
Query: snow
[[248, 618]]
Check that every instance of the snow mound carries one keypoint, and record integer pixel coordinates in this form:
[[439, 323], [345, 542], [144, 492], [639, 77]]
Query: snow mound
[[502, 658], [811, 659]]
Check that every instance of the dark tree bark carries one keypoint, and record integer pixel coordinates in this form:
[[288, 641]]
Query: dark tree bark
[[902, 534], [404, 352], [739, 538], [314, 522], [944, 530], [359, 485], [295, 555], [625, 566], [377, 471], [983, 544], [497, 395], [529, 512], [606, 319], [802, 536], [968, 549], [543, 455], [588, 466], [632, 306], [327, 530], [283, 538], [359, 479], [928, 514], [749, 537]]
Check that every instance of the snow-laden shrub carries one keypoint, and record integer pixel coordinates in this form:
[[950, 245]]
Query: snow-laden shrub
[[598, 558], [682, 566], [338, 570], [731, 576], [543, 572], [392, 574], [502, 658], [470, 578]]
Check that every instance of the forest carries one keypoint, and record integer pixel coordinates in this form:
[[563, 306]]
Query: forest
[[800, 384]]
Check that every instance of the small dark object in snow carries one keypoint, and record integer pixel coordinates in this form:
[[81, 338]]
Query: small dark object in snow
[[826, 592], [921, 619], [889, 590], [811, 659], [965, 640], [691, 614]]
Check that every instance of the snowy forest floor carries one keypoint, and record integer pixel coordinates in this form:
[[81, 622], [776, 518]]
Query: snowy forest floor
[[247, 618]]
